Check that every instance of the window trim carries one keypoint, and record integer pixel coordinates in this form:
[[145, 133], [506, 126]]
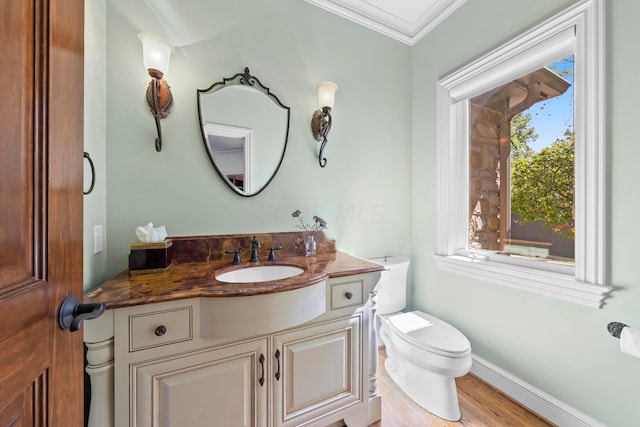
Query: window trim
[[579, 30]]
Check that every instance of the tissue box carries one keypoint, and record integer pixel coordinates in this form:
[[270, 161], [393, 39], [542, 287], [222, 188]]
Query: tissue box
[[150, 257]]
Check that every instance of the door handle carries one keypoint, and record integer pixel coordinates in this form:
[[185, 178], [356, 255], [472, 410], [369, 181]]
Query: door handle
[[93, 174], [278, 359], [71, 313], [262, 359]]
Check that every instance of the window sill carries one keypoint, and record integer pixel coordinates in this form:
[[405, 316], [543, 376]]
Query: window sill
[[556, 285]]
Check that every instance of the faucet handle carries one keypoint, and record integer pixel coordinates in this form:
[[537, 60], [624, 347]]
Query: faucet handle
[[236, 258], [272, 255]]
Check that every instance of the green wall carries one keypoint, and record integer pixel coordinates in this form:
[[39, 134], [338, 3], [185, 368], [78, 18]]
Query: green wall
[[378, 189], [95, 122], [364, 191], [561, 348]]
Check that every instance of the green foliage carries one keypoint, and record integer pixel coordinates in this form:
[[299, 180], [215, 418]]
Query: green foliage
[[543, 183], [521, 135]]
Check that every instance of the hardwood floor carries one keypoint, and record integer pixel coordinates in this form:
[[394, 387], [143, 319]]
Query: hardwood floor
[[480, 404]]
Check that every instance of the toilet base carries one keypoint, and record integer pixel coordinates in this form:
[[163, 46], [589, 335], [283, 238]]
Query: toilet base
[[435, 393]]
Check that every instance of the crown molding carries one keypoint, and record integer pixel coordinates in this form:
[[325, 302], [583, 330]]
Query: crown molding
[[389, 19]]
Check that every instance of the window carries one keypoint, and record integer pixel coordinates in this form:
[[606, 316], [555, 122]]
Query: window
[[521, 167], [575, 33]]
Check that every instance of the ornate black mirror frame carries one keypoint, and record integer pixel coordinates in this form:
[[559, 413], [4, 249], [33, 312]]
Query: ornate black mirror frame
[[248, 80]]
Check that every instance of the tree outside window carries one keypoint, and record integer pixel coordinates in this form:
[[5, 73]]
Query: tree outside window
[[522, 185]]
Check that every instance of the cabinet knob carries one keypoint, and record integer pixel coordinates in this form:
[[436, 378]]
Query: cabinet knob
[[160, 330], [348, 295]]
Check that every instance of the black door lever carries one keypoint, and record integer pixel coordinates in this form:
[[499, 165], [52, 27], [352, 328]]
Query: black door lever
[[72, 313]]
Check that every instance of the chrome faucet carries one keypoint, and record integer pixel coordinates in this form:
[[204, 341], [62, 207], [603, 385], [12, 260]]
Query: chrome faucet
[[255, 245]]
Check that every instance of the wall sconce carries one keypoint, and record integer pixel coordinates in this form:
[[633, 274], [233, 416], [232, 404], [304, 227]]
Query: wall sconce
[[321, 121], [156, 54]]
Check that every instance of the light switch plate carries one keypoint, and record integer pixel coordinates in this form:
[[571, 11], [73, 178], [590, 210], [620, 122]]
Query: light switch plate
[[97, 239]]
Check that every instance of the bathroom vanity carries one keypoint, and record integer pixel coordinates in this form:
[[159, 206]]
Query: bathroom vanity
[[182, 348]]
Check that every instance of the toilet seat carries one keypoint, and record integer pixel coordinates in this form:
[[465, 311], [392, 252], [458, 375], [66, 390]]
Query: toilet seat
[[429, 333]]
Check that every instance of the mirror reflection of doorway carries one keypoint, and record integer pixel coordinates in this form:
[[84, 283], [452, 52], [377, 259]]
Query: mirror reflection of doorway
[[232, 148], [242, 104]]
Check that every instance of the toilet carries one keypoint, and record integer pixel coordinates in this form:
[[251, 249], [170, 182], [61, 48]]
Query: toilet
[[424, 354]]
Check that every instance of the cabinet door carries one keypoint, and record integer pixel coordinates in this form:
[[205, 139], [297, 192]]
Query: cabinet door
[[317, 370], [225, 386]]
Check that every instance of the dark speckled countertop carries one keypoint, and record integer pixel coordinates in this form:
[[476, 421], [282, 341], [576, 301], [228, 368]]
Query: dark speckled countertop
[[196, 261]]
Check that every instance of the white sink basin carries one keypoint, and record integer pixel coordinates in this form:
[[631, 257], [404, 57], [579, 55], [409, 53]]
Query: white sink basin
[[260, 273]]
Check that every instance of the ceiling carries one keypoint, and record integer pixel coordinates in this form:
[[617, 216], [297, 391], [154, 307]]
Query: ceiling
[[404, 20]]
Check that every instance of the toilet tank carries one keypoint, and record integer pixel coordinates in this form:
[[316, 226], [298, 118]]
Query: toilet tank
[[392, 287]]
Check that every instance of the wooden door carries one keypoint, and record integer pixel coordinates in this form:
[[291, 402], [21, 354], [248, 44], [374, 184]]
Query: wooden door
[[41, 114]]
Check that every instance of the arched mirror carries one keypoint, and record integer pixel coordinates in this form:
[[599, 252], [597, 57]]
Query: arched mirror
[[244, 129]]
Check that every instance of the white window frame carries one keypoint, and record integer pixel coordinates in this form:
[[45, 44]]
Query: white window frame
[[579, 30]]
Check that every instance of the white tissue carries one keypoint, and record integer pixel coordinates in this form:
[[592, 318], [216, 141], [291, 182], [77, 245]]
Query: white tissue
[[630, 341], [149, 234]]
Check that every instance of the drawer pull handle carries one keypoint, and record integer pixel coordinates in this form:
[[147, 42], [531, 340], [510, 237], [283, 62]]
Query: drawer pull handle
[[160, 330], [278, 359], [348, 295], [261, 380]]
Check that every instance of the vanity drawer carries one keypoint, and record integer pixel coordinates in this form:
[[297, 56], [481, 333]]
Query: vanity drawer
[[346, 294], [160, 328]]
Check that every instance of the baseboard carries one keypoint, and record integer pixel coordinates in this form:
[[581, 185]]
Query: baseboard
[[536, 400]]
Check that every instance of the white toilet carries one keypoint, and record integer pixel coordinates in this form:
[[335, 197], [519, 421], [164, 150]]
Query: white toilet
[[424, 353]]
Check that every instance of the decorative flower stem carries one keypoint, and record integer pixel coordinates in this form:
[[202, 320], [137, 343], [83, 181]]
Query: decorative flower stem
[[318, 223]]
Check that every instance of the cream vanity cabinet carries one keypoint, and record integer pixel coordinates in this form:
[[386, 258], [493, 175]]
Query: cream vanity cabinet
[[318, 370], [173, 367], [215, 386]]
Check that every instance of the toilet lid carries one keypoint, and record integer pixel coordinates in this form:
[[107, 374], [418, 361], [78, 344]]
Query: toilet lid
[[430, 333]]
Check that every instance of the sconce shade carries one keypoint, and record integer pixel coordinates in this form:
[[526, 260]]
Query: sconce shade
[[156, 54], [326, 94]]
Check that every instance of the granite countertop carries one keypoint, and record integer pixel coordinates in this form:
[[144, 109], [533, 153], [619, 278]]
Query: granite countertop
[[195, 264]]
